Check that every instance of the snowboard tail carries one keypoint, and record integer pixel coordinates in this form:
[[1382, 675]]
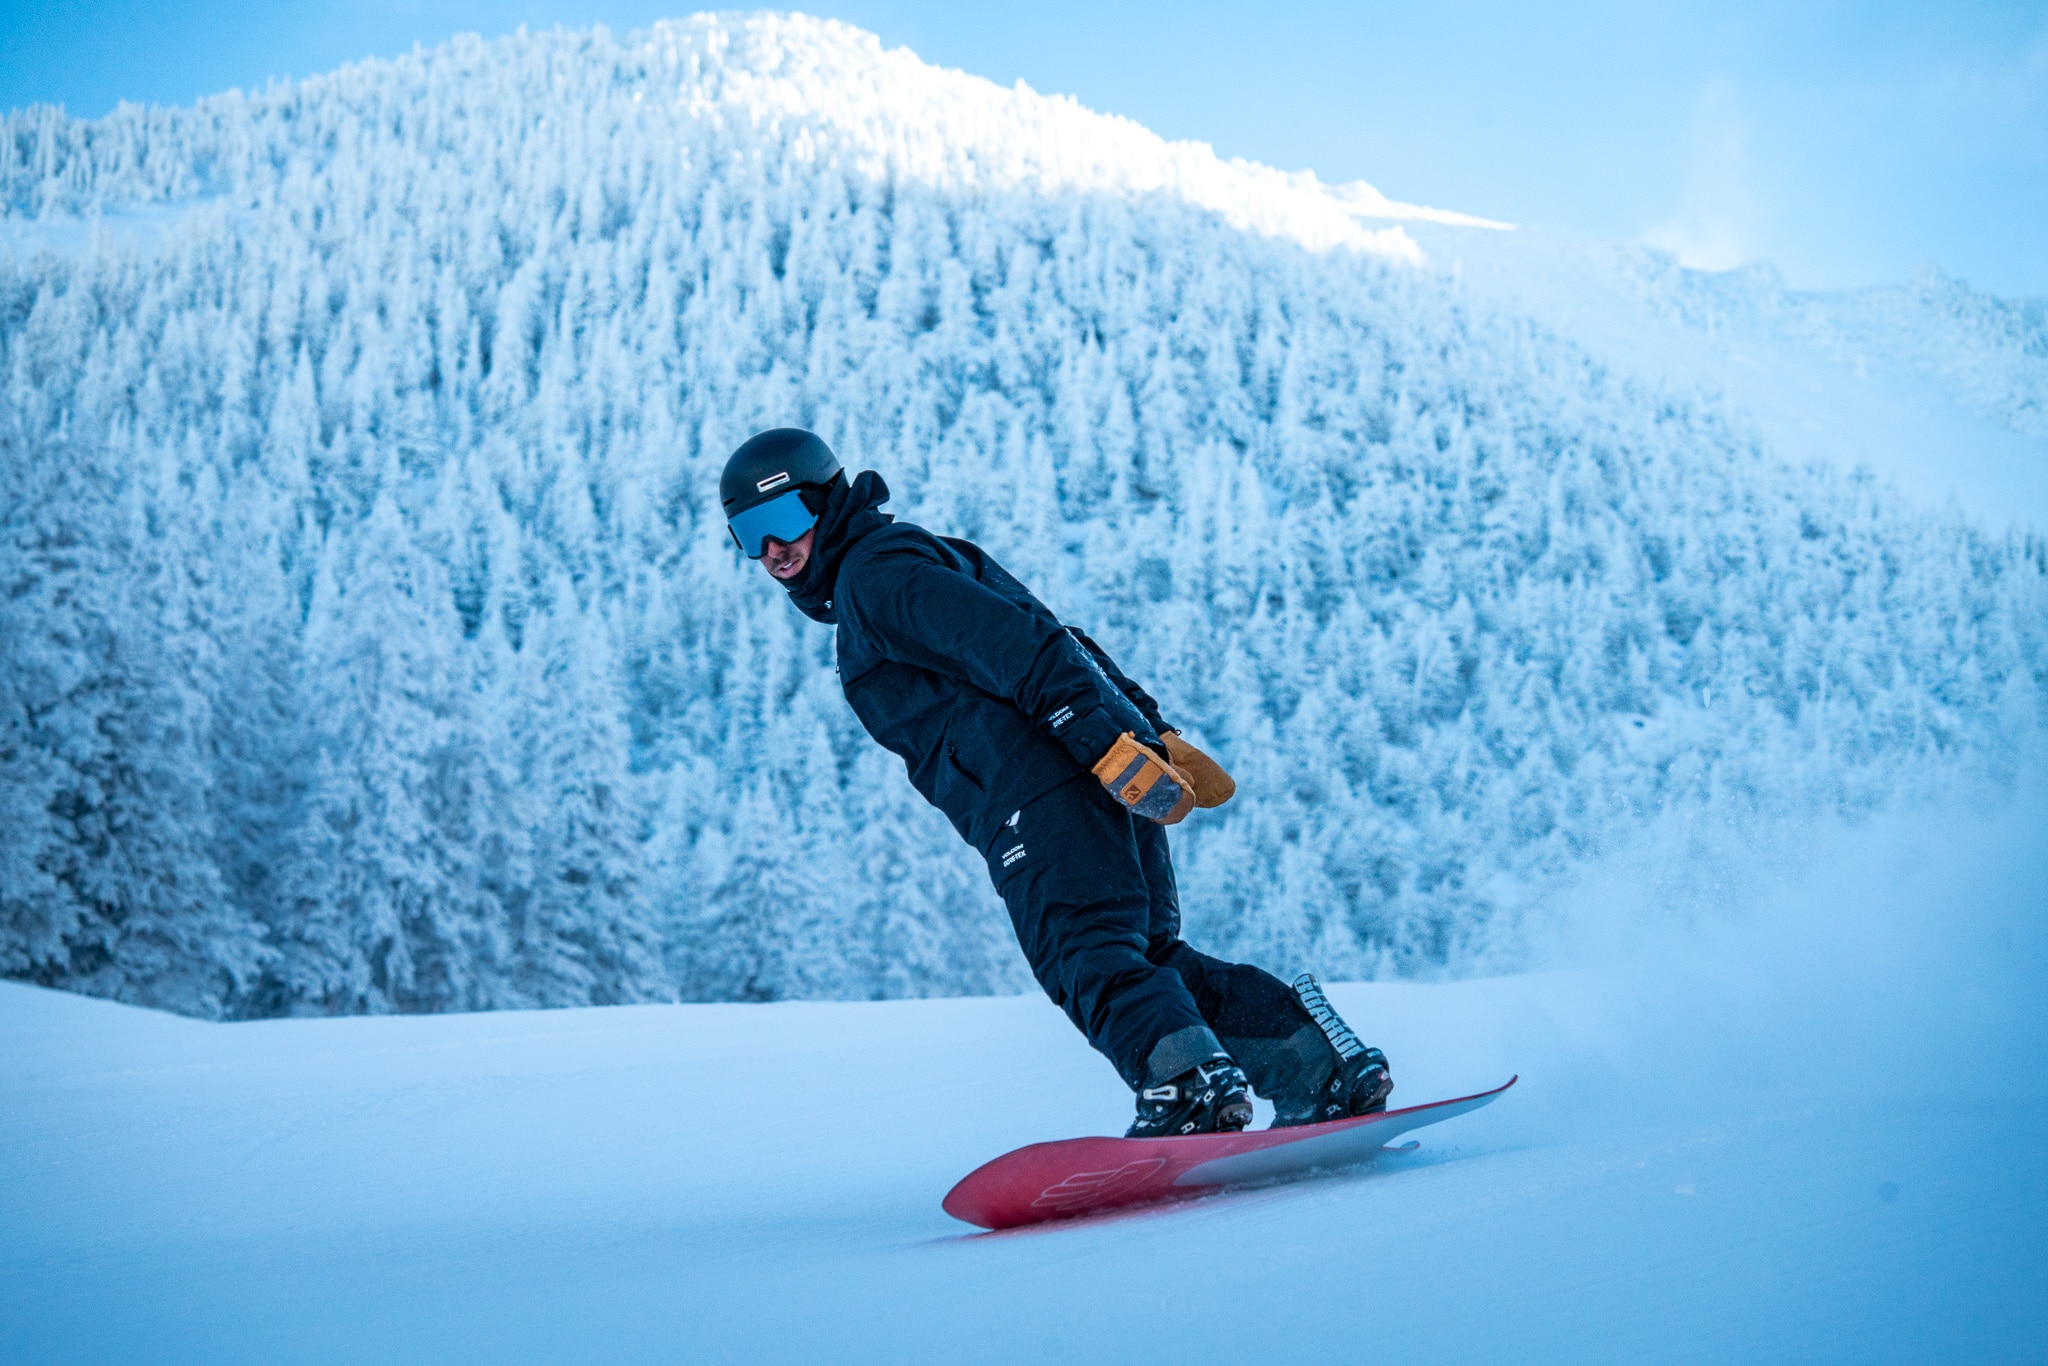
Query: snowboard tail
[[1080, 1175]]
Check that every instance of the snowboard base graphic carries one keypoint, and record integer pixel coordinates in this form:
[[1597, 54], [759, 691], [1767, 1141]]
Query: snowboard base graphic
[[1080, 1175]]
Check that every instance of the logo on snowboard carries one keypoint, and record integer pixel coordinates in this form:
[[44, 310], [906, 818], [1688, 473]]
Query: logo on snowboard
[[1084, 1190]]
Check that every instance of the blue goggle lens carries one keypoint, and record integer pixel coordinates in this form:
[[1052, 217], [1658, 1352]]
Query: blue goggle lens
[[783, 517]]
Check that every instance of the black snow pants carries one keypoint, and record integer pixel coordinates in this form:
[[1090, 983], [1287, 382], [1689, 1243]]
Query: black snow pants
[[1090, 891]]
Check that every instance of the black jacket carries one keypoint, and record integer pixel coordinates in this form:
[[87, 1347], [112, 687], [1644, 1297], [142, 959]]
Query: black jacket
[[956, 668]]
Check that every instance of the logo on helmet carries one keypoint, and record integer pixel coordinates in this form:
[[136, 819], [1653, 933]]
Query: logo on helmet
[[772, 481]]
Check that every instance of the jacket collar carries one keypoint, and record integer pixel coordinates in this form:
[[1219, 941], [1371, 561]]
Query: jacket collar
[[850, 513]]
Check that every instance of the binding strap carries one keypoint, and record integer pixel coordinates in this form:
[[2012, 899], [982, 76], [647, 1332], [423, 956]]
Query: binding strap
[[1319, 1009]]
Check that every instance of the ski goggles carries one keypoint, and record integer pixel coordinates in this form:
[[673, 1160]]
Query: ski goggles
[[783, 518]]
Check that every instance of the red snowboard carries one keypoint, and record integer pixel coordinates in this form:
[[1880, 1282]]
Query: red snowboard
[[1076, 1175]]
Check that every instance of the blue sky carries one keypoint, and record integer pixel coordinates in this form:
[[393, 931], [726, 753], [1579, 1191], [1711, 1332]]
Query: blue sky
[[1846, 144]]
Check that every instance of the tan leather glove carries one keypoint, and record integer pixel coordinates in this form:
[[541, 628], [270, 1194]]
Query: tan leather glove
[[1144, 782], [1213, 786]]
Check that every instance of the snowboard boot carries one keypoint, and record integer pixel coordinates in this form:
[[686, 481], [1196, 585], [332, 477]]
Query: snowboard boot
[[1357, 1081], [1211, 1097]]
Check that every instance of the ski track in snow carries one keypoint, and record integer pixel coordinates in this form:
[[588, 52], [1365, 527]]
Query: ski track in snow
[[1809, 1134]]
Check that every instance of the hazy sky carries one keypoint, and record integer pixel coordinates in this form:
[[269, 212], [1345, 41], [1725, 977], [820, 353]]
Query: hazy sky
[[1844, 143]]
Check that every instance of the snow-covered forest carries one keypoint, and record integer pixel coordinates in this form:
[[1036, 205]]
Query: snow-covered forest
[[370, 639]]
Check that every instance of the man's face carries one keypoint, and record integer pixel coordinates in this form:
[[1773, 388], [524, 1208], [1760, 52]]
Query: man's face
[[787, 560]]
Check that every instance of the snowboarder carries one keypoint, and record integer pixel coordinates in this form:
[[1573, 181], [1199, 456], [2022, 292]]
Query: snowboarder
[[1061, 772]]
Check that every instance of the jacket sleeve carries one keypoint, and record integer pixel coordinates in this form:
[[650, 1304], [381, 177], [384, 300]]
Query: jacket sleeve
[[922, 612], [1142, 700]]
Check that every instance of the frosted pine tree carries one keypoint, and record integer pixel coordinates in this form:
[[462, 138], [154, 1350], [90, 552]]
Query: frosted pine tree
[[107, 753], [587, 928], [390, 906]]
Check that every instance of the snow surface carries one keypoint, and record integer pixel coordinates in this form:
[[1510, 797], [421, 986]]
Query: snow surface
[[1807, 1132]]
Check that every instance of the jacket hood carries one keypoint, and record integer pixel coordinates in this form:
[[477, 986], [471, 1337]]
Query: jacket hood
[[850, 513]]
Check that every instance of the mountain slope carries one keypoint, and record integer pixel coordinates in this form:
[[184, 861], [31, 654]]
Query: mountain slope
[[374, 642], [1929, 384]]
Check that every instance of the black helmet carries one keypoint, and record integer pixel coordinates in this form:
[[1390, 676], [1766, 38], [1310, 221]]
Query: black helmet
[[775, 485]]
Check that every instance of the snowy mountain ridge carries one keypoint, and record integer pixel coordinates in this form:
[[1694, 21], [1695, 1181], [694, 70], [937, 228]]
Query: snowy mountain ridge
[[823, 83], [818, 87], [374, 642], [1928, 383]]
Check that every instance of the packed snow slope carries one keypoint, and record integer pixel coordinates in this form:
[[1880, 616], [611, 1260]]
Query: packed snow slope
[[1807, 1133], [370, 639]]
